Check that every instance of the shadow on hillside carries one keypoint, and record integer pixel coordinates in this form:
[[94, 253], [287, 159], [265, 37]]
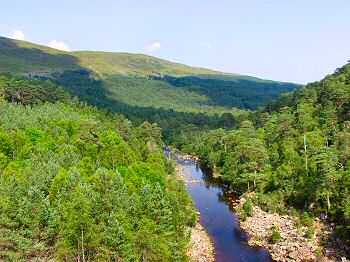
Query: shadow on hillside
[[35, 61], [232, 91], [78, 81]]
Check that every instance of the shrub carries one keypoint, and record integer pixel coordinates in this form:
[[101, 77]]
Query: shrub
[[243, 215], [193, 220], [275, 236], [272, 202], [310, 233], [248, 207], [305, 220], [319, 252]]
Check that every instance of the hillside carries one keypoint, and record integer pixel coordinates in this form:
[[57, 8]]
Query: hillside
[[76, 182], [179, 87], [55, 159], [143, 88], [291, 158], [22, 57]]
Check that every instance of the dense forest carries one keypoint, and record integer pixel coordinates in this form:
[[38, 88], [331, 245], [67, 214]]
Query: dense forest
[[295, 153], [228, 91], [78, 184], [25, 92], [173, 120]]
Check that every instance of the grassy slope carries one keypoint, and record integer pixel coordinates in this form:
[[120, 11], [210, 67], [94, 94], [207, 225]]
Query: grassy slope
[[134, 64], [22, 57]]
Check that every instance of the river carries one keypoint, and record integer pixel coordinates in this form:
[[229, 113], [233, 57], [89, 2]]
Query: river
[[218, 217]]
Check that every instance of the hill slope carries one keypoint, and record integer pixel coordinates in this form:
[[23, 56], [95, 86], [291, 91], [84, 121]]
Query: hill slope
[[76, 182], [175, 84], [295, 153], [22, 57]]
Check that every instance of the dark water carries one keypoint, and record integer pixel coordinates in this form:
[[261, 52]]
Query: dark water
[[219, 219]]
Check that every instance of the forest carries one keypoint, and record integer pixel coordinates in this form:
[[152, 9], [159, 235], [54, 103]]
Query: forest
[[228, 91], [168, 111], [294, 154], [83, 174], [79, 184]]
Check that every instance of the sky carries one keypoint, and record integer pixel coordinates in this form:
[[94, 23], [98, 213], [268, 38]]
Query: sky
[[297, 41]]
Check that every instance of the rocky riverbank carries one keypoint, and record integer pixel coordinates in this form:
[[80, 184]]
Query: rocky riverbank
[[175, 152], [201, 248], [184, 175], [296, 237], [292, 242]]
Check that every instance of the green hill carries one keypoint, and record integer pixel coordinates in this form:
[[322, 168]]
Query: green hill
[[154, 82], [142, 87], [294, 154], [23, 57]]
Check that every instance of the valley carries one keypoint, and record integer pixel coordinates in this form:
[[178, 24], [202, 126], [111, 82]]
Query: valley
[[83, 175]]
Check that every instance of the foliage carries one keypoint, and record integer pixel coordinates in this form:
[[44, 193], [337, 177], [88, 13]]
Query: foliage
[[309, 233], [76, 181], [272, 202], [175, 111], [27, 92], [248, 207], [275, 236], [232, 91], [293, 154], [175, 96], [77, 184]]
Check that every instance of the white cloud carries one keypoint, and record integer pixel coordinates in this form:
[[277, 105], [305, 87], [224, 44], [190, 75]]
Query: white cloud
[[59, 45], [17, 34], [152, 47]]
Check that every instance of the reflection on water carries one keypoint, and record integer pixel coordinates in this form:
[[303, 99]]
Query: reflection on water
[[218, 218]]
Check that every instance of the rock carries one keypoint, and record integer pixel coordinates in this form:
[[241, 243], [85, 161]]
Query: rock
[[293, 246], [201, 248]]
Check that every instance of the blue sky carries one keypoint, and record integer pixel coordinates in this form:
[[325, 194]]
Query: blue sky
[[298, 41]]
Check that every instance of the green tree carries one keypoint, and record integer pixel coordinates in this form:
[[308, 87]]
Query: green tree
[[327, 173]]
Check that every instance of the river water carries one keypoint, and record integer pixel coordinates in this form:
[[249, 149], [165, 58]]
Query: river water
[[218, 217]]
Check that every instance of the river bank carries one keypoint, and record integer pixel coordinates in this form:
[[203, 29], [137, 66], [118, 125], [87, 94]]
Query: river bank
[[297, 240], [223, 239], [294, 243], [201, 247]]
